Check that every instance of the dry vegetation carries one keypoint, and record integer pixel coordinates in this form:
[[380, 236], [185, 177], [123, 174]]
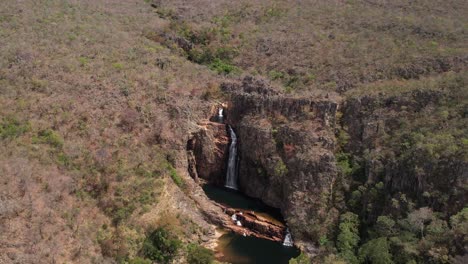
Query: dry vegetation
[[331, 45], [90, 113], [96, 98]]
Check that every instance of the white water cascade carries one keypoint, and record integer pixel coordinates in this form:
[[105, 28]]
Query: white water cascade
[[234, 217], [220, 114], [231, 175], [288, 242]]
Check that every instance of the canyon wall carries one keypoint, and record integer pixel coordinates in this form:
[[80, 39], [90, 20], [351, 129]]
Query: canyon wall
[[286, 154], [208, 152]]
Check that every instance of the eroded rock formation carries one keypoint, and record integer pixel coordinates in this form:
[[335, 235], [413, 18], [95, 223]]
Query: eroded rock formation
[[208, 150]]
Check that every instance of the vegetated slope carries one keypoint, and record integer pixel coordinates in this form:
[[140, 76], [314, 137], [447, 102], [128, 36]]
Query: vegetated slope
[[91, 114], [332, 45], [97, 98]]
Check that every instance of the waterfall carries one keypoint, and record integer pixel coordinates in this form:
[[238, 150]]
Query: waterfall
[[231, 175], [220, 114], [288, 242], [234, 217]]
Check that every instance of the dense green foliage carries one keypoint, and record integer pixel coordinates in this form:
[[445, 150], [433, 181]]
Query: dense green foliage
[[403, 176], [376, 251], [161, 246], [197, 254], [348, 237]]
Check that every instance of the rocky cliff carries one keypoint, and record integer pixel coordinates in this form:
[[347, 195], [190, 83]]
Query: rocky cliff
[[208, 151], [286, 154]]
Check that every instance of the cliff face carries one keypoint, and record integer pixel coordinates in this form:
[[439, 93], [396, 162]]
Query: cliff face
[[286, 154], [208, 152]]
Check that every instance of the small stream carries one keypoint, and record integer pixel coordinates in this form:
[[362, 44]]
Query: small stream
[[237, 249]]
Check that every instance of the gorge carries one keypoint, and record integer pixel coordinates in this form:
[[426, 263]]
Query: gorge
[[251, 220], [271, 169]]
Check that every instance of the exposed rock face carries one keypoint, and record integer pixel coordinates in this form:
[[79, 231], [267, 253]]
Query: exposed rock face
[[255, 225], [286, 150], [209, 146]]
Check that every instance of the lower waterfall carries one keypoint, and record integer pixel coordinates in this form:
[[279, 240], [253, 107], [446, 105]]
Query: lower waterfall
[[288, 242], [231, 175]]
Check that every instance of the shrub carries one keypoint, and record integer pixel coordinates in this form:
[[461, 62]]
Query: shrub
[[223, 67], [161, 246], [11, 128], [175, 176], [118, 66], [275, 75], [199, 255], [344, 163], [280, 168], [50, 137]]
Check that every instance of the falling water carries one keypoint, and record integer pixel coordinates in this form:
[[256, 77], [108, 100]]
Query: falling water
[[231, 176], [220, 114], [288, 242], [234, 217]]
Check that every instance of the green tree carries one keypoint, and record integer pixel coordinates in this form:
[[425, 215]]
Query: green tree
[[199, 255], [161, 246], [384, 226], [348, 237], [459, 226], [376, 251]]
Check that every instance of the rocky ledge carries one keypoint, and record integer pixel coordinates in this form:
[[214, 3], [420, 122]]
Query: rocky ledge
[[252, 224]]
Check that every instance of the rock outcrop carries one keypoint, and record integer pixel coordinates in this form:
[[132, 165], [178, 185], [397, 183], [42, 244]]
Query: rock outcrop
[[254, 225], [208, 152]]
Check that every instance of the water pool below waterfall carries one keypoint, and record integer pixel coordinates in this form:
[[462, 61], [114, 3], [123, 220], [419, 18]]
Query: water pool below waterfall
[[237, 249]]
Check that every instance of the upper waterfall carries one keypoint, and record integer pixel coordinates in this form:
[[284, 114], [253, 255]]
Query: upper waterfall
[[220, 115], [231, 175]]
